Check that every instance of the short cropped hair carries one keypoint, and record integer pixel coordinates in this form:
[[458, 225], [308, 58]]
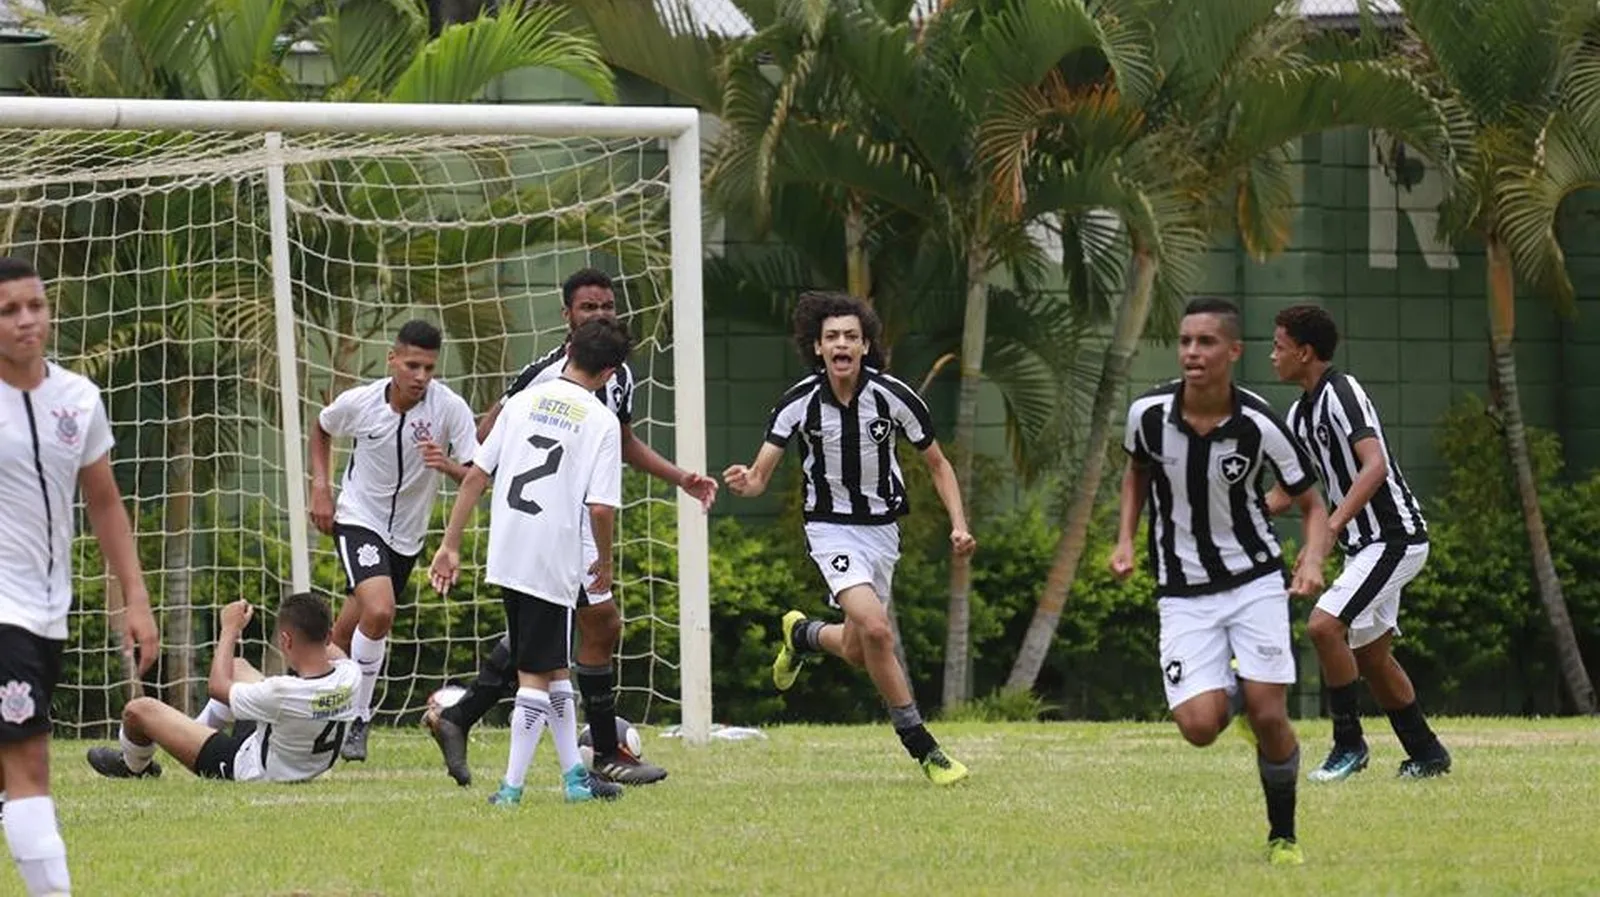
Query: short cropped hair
[[1310, 325], [307, 615], [15, 269], [817, 306], [598, 344], [1222, 308], [421, 334], [584, 277]]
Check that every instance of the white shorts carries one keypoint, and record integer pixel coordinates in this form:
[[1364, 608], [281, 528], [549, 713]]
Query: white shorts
[[1366, 596], [851, 555], [1200, 635], [591, 553]]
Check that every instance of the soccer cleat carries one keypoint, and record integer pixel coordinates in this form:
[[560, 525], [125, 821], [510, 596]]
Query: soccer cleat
[[602, 789], [625, 769], [1342, 763], [581, 786], [452, 743], [1426, 768], [1284, 852], [941, 770], [507, 796], [108, 762], [355, 743], [789, 661]]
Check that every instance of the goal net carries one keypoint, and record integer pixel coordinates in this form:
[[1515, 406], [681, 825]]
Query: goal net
[[223, 280]]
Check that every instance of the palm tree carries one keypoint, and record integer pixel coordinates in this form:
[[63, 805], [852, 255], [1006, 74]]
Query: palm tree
[[1199, 152], [1521, 82]]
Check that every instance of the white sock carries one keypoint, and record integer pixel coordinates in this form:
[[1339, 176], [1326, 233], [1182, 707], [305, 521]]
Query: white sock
[[368, 654], [564, 723], [528, 719], [137, 756], [215, 714], [36, 846]]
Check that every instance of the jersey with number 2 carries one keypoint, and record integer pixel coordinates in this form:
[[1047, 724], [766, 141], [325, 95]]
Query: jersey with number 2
[[554, 450]]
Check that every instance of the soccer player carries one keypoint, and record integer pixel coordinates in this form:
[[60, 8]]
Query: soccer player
[[286, 728], [406, 428], [555, 453], [1384, 539], [586, 294], [55, 440], [847, 415], [1198, 451]]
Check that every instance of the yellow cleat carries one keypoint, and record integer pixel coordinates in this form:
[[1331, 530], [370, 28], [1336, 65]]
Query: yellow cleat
[[1283, 852], [941, 770], [786, 668]]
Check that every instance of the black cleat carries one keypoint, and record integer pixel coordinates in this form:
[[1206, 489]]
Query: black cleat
[[1425, 768], [625, 769], [355, 743], [108, 762], [604, 789], [452, 741]]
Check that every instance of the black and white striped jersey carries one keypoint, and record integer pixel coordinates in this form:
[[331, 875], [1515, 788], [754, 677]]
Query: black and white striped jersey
[[1328, 423], [847, 451], [1209, 527], [616, 395]]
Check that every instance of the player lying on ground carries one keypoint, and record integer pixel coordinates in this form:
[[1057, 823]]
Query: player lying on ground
[[1384, 538], [585, 295], [847, 416], [55, 440], [286, 728], [405, 430], [556, 457], [1198, 450]]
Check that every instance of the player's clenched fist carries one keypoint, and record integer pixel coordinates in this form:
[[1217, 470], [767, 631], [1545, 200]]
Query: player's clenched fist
[[1122, 560], [738, 479]]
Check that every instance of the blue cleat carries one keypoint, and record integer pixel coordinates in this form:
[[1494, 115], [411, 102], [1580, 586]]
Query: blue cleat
[[1342, 763]]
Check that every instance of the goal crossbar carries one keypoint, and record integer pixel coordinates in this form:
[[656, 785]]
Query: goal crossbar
[[678, 127]]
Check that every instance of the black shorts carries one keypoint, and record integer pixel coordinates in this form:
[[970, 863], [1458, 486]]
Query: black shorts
[[29, 668], [540, 631], [364, 555], [215, 760]]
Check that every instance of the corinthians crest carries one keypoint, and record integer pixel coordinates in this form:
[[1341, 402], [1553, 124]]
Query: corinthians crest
[[67, 429], [421, 431]]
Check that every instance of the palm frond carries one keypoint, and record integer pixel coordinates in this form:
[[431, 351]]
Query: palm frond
[[1498, 57], [633, 35], [369, 43], [1567, 162]]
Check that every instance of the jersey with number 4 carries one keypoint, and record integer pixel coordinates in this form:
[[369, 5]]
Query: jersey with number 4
[[300, 723], [554, 450]]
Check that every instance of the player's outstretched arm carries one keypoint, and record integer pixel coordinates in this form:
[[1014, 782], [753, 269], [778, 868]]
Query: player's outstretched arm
[[638, 454], [751, 481], [321, 449], [109, 520], [945, 483], [1135, 483], [235, 617], [446, 564]]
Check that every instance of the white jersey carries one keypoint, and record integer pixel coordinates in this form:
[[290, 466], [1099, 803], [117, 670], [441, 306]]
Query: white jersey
[[387, 487], [300, 723], [554, 450], [47, 435]]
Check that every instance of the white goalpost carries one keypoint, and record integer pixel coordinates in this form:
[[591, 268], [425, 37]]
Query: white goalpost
[[222, 269]]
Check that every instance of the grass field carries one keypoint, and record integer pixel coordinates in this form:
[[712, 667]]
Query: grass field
[[1050, 809]]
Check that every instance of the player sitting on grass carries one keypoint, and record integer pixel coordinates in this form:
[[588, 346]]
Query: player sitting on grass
[[288, 728]]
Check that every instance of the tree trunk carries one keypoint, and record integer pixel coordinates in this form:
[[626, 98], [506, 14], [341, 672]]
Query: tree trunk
[[177, 551], [974, 332], [1128, 330], [857, 267], [1502, 317]]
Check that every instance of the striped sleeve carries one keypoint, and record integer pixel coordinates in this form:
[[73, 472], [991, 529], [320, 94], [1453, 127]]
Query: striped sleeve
[[530, 374], [789, 412], [1353, 409], [624, 399], [910, 412], [1284, 451]]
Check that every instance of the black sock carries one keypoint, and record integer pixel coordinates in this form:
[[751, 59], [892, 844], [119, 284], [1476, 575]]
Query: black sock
[[1278, 784], [598, 685], [918, 741], [1412, 729], [1343, 705], [806, 638], [497, 679]]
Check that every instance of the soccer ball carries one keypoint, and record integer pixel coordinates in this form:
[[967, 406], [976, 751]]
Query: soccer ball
[[447, 696], [628, 741]]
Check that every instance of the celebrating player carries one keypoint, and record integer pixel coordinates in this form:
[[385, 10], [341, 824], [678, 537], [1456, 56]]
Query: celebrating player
[[286, 728], [586, 295], [55, 439], [402, 427], [556, 455], [847, 416], [1384, 539], [1197, 450]]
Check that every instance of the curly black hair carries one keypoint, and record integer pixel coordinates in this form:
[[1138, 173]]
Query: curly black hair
[[816, 306], [1310, 325]]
